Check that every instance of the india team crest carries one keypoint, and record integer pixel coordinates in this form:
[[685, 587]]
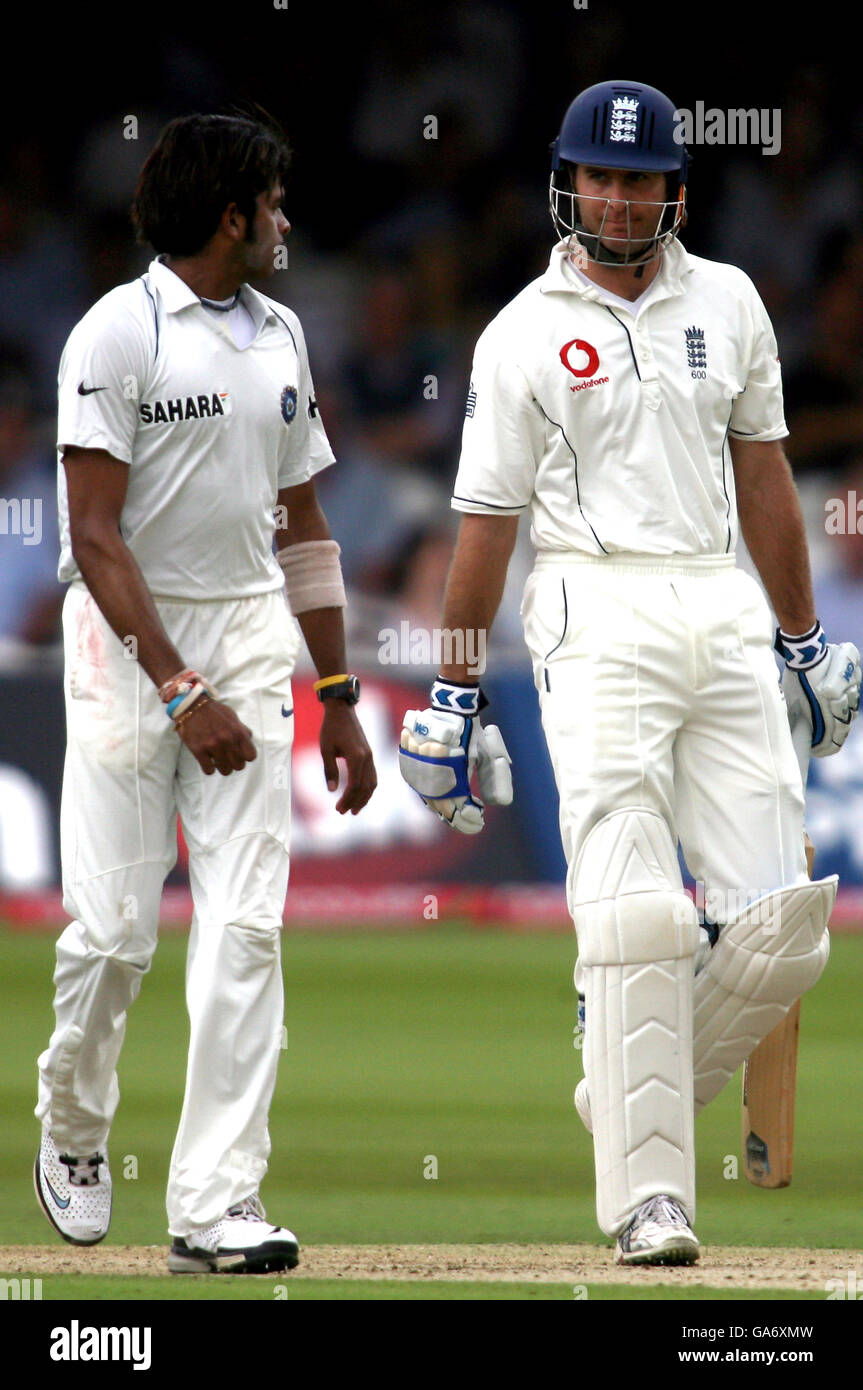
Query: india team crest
[[289, 403]]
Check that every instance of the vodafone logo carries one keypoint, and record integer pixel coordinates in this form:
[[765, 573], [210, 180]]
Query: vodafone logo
[[579, 345]]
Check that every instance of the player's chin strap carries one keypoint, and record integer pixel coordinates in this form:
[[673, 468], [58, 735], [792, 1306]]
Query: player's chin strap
[[604, 256]]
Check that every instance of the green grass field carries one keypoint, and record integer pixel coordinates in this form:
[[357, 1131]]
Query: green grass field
[[451, 1043], [274, 1288]]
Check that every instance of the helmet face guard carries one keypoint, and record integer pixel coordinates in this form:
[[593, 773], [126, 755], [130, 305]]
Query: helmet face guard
[[602, 246], [627, 126]]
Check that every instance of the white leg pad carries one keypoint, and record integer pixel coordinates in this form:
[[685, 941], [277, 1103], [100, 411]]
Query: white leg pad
[[637, 935], [762, 963]]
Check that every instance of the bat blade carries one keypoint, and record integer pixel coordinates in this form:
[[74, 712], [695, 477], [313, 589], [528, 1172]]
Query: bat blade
[[769, 1086], [769, 1081]]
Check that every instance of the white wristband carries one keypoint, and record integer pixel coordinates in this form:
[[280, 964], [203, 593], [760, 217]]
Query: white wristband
[[313, 575]]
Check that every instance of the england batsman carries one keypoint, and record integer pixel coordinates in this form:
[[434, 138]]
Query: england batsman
[[630, 398], [189, 437]]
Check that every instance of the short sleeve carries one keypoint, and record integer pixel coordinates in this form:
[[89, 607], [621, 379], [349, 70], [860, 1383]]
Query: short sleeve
[[758, 412], [102, 377], [502, 437], [305, 447]]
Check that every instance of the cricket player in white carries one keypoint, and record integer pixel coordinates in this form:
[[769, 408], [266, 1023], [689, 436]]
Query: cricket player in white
[[190, 436], [631, 400]]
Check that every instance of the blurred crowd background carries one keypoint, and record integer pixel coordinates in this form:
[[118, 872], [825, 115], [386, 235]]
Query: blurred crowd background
[[418, 202], [404, 246]]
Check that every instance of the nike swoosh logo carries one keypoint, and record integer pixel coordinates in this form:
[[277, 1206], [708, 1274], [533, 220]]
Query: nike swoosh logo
[[61, 1204], [287, 712], [88, 390]]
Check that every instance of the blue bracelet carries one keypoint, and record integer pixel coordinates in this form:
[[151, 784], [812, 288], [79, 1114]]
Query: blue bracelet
[[173, 704]]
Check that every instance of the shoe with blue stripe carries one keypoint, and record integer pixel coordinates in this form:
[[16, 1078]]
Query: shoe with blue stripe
[[74, 1193]]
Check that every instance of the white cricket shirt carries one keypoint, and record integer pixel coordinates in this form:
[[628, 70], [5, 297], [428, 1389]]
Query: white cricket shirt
[[210, 431], [609, 422]]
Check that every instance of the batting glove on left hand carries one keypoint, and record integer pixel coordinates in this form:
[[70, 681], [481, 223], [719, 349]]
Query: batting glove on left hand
[[439, 750], [821, 683]]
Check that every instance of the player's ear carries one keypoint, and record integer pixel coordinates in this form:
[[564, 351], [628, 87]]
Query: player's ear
[[233, 223]]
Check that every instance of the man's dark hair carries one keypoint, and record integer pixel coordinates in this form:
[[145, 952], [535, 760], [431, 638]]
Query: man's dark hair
[[198, 166]]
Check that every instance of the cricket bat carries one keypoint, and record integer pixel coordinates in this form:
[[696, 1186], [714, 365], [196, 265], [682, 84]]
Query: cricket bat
[[770, 1074]]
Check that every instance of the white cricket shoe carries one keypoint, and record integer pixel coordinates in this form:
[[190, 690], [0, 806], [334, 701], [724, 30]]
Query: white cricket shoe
[[658, 1234], [242, 1242], [582, 1104], [74, 1193]]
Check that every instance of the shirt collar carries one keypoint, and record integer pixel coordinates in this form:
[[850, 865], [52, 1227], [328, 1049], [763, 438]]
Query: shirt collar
[[173, 292], [175, 295], [676, 263], [258, 306]]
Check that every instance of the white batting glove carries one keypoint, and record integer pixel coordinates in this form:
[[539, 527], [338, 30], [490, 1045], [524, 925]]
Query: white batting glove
[[441, 747], [821, 683]]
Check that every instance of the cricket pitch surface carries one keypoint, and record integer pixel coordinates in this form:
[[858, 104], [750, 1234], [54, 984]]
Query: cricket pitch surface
[[742, 1267]]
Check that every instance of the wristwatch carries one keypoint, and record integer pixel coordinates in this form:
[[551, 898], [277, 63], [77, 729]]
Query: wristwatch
[[345, 688]]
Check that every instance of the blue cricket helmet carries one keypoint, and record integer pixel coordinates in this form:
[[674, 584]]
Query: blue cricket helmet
[[620, 125]]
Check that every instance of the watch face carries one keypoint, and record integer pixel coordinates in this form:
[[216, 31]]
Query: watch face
[[347, 690]]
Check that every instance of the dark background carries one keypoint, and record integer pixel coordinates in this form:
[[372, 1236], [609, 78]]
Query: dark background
[[402, 248]]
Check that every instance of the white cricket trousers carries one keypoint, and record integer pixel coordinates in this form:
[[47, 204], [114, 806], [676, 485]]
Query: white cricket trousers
[[127, 776], [665, 722]]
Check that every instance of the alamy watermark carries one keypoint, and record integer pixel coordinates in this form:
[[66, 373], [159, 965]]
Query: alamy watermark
[[21, 516], [760, 907], [20, 1290], [844, 515], [423, 646], [77, 1343], [849, 1287], [736, 126]]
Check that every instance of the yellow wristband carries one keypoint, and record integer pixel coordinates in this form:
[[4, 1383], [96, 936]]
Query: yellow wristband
[[331, 680]]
